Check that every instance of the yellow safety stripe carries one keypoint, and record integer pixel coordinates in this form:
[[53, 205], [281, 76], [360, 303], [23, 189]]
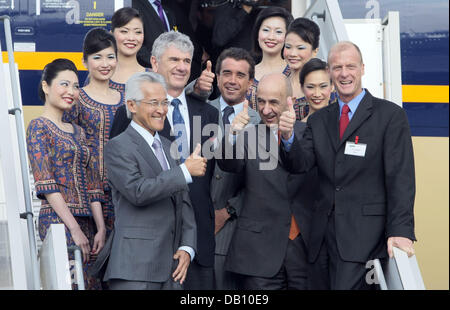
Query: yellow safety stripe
[[425, 93], [38, 60]]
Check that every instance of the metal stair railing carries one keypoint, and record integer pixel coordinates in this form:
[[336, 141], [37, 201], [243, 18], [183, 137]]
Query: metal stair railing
[[18, 113]]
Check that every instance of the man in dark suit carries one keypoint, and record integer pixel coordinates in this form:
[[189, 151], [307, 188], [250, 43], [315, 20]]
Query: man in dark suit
[[187, 117], [235, 70], [154, 238], [157, 19], [160, 16], [268, 248], [233, 26], [363, 151]]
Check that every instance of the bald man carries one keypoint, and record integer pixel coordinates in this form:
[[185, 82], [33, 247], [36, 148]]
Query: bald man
[[268, 248], [362, 148]]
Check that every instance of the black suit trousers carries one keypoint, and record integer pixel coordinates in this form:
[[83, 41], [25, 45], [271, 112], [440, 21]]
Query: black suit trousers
[[330, 271], [292, 275], [199, 277]]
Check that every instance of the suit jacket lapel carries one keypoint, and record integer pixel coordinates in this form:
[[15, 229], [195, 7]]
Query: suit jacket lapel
[[167, 131], [216, 103], [253, 116], [166, 148], [332, 124], [193, 110], [144, 149], [152, 11], [172, 164], [171, 18], [266, 140], [363, 112]]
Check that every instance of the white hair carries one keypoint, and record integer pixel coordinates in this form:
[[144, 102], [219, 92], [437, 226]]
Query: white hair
[[175, 38], [133, 89]]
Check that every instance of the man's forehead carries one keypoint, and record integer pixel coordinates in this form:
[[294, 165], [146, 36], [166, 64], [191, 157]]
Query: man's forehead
[[270, 93], [344, 55], [231, 62], [271, 86]]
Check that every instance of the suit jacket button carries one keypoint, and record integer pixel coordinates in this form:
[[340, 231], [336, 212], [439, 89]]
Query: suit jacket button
[[218, 176], [338, 188]]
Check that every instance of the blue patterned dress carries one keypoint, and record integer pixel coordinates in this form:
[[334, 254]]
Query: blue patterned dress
[[62, 163], [117, 86], [96, 119]]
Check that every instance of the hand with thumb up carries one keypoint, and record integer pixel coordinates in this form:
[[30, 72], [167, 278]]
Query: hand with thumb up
[[287, 120], [195, 164], [204, 83], [241, 120]]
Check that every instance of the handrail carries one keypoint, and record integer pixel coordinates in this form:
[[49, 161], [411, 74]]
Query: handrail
[[17, 111], [78, 266]]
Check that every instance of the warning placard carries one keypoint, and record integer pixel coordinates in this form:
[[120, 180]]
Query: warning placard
[[94, 19]]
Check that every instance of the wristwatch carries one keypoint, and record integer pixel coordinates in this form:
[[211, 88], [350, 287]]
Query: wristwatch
[[232, 212]]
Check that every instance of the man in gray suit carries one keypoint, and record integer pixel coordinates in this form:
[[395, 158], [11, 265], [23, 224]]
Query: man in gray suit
[[155, 232], [235, 70]]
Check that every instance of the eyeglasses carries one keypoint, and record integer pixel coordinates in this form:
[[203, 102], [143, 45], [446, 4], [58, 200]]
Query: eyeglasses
[[155, 104]]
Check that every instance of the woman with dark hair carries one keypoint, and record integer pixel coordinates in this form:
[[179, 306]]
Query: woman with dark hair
[[268, 40], [316, 85], [301, 44], [128, 30], [65, 174], [98, 104]]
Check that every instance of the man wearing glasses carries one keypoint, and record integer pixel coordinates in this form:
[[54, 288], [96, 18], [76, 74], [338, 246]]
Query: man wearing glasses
[[155, 233]]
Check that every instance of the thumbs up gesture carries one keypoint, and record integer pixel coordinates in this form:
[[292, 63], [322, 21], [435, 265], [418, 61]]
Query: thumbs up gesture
[[287, 120], [195, 163], [204, 83], [241, 120]]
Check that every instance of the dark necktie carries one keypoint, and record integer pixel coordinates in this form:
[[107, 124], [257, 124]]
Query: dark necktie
[[179, 128], [226, 115], [159, 154], [343, 121], [161, 13]]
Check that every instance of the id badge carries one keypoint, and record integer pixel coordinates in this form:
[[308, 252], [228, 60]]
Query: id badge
[[355, 149]]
